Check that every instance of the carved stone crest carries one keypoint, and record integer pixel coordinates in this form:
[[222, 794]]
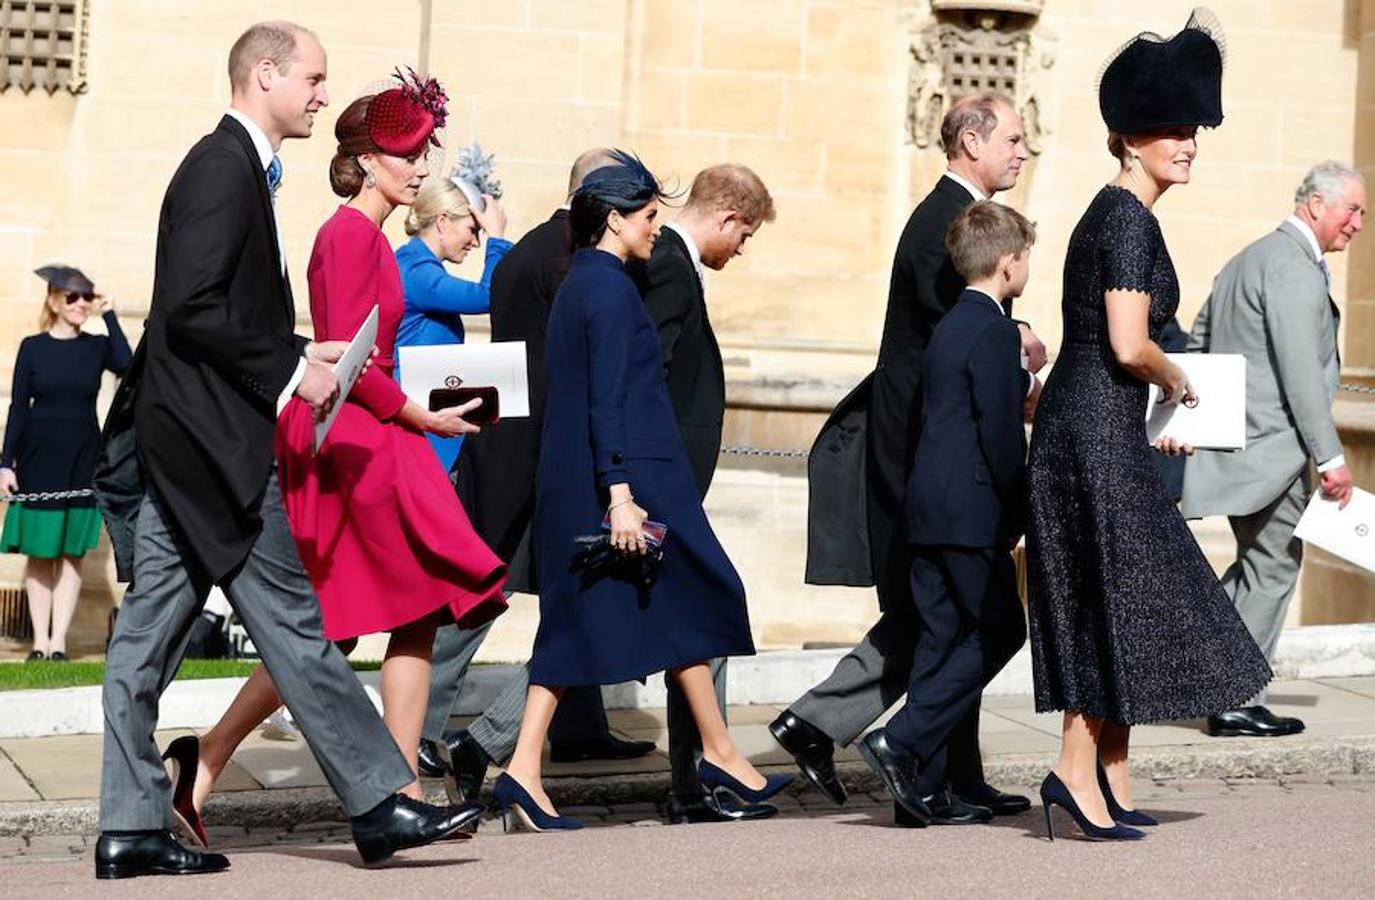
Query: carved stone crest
[[967, 46]]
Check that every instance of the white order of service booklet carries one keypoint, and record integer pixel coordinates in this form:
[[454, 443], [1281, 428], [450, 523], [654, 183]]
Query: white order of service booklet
[[500, 364], [1348, 533], [1218, 422], [347, 370]]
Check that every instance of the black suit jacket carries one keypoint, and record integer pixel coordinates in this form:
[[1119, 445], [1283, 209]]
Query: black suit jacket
[[854, 544], [217, 351], [692, 359], [495, 473], [967, 477]]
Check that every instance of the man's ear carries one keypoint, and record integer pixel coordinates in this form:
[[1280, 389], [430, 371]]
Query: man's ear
[[266, 73], [726, 218], [972, 143]]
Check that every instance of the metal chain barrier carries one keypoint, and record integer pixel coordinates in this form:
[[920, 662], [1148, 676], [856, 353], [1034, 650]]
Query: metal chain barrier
[[45, 496], [764, 451], [802, 454]]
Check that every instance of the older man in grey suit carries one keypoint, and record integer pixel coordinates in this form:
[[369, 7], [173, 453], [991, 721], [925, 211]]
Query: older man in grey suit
[[1272, 304]]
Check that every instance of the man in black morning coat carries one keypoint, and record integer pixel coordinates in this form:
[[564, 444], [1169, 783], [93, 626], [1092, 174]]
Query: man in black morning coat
[[860, 462], [725, 207], [188, 483]]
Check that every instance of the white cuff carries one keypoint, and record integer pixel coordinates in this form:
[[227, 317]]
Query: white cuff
[[285, 396], [1030, 383], [1335, 462]]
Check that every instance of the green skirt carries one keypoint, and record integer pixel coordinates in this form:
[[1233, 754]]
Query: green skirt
[[50, 533]]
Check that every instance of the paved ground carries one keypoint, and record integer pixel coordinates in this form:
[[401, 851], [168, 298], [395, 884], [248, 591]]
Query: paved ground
[[1303, 837], [1016, 740]]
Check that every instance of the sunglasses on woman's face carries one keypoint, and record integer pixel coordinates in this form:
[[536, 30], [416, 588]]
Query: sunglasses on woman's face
[[73, 296]]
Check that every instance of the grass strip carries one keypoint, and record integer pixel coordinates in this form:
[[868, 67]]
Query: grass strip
[[44, 675]]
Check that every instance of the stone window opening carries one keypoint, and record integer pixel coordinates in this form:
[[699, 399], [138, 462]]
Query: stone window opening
[[43, 45]]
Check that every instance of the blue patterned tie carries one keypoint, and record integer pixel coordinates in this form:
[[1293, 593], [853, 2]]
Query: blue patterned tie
[[1326, 272], [274, 177]]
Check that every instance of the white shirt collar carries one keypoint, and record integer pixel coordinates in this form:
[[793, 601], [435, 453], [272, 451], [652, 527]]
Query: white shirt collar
[[966, 184], [691, 248], [259, 137], [991, 299], [1307, 232]]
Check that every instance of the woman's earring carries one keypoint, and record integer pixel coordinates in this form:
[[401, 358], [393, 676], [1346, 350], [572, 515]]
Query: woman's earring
[[369, 179]]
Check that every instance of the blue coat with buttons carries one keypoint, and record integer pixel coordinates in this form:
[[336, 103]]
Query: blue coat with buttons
[[609, 420]]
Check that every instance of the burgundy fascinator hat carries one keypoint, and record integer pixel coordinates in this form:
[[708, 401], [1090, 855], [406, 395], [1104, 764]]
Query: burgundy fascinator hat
[[402, 120]]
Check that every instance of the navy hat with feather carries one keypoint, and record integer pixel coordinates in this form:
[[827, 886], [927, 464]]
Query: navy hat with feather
[[1153, 82], [625, 184]]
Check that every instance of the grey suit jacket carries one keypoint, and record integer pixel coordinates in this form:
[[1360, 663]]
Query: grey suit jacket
[[1269, 303]]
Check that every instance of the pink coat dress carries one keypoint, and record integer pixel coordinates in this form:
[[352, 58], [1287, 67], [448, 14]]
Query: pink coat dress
[[378, 526]]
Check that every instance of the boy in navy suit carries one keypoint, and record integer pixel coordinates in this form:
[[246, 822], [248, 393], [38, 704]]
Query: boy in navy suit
[[963, 512]]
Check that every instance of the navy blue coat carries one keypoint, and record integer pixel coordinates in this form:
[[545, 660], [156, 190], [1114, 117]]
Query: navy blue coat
[[609, 420], [968, 473]]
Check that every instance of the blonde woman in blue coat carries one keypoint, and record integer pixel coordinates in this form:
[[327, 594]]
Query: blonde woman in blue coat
[[444, 225]]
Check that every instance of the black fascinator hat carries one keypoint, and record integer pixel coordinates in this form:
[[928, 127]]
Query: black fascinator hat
[[625, 184], [1153, 82], [66, 278]]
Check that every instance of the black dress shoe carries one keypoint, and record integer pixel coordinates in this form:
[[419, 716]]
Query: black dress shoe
[[467, 767], [1002, 804], [896, 768], [399, 823], [946, 809], [431, 759], [720, 807], [604, 747], [812, 750], [35, 656], [125, 854], [1253, 721]]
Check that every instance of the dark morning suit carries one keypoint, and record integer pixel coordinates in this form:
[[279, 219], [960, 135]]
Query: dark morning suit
[[963, 513], [217, 351], [857, 475], [676, 299], [495, 478]]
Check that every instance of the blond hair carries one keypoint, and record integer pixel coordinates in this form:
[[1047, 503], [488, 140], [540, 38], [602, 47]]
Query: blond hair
[[437, 197], [275, 41], [731, 187], [983, 234], [48, 316]]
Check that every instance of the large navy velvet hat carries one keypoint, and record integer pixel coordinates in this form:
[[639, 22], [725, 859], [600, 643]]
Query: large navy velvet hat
[[1153, 82]]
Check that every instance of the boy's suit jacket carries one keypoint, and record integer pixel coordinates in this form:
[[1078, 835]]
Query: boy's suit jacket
[[968, 471]]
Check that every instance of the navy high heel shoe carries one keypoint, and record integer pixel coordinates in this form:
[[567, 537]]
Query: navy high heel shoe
[[1054, 793], [1120, 815], [713, 777], [519, 810]]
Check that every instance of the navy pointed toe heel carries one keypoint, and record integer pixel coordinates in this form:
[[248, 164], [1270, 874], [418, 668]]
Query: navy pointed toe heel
[[1119, 814], [1054, 793], [713, 777], [519, 810]]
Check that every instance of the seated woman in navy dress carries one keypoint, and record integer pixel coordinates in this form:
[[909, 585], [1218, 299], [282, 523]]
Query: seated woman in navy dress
[[612, 448], [444, 225]]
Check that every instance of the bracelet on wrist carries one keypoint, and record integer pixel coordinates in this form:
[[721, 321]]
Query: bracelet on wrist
[[622, 503]]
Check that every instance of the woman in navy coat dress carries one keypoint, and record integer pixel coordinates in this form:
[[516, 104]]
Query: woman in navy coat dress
[[611, 448]]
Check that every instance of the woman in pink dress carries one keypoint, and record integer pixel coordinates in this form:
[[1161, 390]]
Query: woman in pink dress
[[379, 529]]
